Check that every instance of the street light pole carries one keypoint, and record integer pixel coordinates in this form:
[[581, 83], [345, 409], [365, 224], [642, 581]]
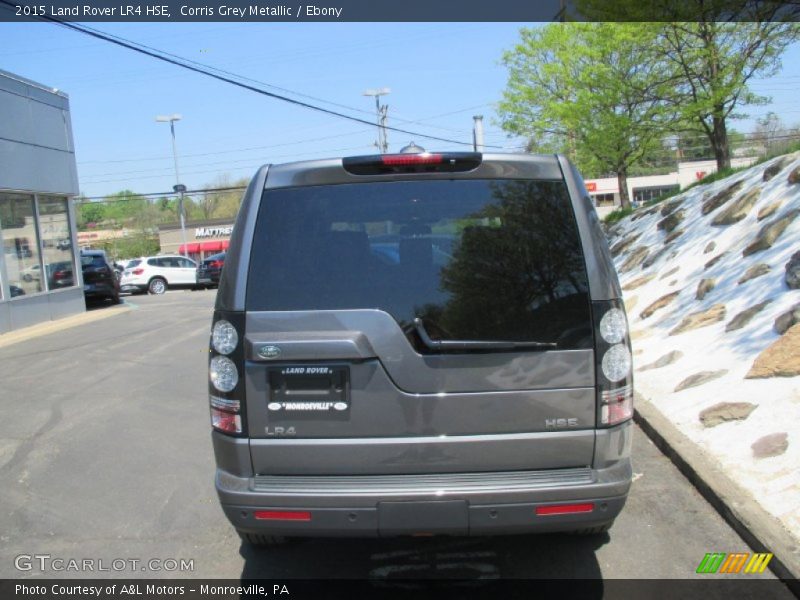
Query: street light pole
[[178, 187], [381, 111]]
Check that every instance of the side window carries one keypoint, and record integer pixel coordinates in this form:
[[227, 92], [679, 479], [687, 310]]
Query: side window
[[186, 263], [154, 262]]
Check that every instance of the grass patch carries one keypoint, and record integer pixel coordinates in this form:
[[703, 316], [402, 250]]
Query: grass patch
[[617, 215], [789, 149]]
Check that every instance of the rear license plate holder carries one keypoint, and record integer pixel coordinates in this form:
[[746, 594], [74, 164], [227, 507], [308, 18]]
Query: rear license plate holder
[[450, 517], [309, 391]]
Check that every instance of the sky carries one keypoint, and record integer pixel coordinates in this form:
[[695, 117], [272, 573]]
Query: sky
[[440, 75]]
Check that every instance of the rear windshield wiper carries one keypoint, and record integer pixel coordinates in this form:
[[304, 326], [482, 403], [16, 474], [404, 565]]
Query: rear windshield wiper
[[473, 344]]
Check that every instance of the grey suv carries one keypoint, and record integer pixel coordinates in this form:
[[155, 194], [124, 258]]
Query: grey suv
[[419, 344]]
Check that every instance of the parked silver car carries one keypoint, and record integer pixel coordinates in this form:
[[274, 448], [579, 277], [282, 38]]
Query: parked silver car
[[420, 344]]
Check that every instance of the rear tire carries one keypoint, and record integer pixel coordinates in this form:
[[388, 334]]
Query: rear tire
[[260, 540], [157, 286], [593, 530]]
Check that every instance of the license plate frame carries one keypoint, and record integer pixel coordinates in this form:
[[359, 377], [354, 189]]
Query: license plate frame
[[308, 391]]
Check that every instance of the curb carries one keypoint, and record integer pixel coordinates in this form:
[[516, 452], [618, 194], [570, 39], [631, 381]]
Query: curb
[[759, 529], [34, 331]]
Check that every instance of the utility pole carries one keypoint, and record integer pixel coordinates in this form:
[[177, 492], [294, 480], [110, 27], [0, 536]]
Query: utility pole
[[477, 133], [381, 112], [178, 187]]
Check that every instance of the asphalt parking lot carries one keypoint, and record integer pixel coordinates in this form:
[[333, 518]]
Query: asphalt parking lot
[[105, 453]]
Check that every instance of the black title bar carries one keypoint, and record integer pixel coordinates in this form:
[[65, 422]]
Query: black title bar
[[396, 11]]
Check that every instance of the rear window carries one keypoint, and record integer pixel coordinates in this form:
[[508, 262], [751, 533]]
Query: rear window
[[474, 259], [94, 260], [133, 263]]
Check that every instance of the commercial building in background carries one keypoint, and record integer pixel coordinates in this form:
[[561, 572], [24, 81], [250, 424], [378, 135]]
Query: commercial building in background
[[202, 238], [605, 191], [39, 280]]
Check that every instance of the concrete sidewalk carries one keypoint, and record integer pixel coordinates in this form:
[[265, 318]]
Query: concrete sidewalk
[[762, 531], [34, 331]]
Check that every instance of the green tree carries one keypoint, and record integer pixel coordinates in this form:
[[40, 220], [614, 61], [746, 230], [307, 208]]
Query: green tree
[[713, 49], [594, 89], [225, 203], [89, 212], [122, 208], [715, 62]]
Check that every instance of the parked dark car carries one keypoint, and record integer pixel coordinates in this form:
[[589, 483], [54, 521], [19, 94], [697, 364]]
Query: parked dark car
[[16, 291], [60, 275], [209, 270], [99, 280]]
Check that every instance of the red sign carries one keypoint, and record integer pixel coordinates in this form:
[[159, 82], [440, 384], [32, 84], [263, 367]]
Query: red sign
[[700, 174], [591, 186]]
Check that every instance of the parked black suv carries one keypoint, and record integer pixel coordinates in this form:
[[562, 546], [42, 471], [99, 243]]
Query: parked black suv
[[99, 280], [420, 344]]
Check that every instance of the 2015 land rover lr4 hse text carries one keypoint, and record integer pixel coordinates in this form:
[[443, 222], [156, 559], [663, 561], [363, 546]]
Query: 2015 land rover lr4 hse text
[[420, 344]]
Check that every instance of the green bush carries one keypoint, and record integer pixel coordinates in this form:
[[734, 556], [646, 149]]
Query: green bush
[[617, 215], [130, 247]]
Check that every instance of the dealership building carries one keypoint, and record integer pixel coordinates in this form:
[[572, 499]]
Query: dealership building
[[38, 177]]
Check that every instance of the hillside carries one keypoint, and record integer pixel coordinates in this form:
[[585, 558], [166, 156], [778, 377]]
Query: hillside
[[710, 280]]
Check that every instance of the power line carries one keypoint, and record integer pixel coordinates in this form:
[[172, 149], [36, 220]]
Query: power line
[[207, 71], [245, 78], [136, 196], [293, 143], [253, 165], [226, 162], [154, 158]]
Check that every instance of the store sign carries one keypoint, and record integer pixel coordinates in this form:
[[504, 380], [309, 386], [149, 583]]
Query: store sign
[[591, 186], [208, 232]]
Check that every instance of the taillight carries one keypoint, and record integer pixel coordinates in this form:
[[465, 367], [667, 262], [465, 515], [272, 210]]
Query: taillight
[[137, 271], [225, 421], [225, 385], [215, 264], [613, 364], [223, 374], [616, 405], [425, 158], [424, 162]]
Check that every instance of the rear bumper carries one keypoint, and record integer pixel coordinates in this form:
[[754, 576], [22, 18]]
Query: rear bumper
[[208, 277], [454, 504], [133, 287], [99, 289]]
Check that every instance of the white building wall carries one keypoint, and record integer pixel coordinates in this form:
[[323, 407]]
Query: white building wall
[[687, 174]]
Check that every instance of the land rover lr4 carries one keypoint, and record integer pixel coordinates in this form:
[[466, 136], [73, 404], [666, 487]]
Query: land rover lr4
[[418, 344]]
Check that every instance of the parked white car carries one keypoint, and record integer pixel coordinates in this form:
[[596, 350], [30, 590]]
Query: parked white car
[[31, 273], [156, 274]]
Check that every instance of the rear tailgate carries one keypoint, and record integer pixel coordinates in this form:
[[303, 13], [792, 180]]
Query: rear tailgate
[[500, 375], [96, 272]]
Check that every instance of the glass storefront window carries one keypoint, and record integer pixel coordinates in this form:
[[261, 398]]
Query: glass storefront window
[[21, 244], [56, 242]]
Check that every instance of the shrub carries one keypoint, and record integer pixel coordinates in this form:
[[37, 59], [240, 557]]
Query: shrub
[[617, 215]]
